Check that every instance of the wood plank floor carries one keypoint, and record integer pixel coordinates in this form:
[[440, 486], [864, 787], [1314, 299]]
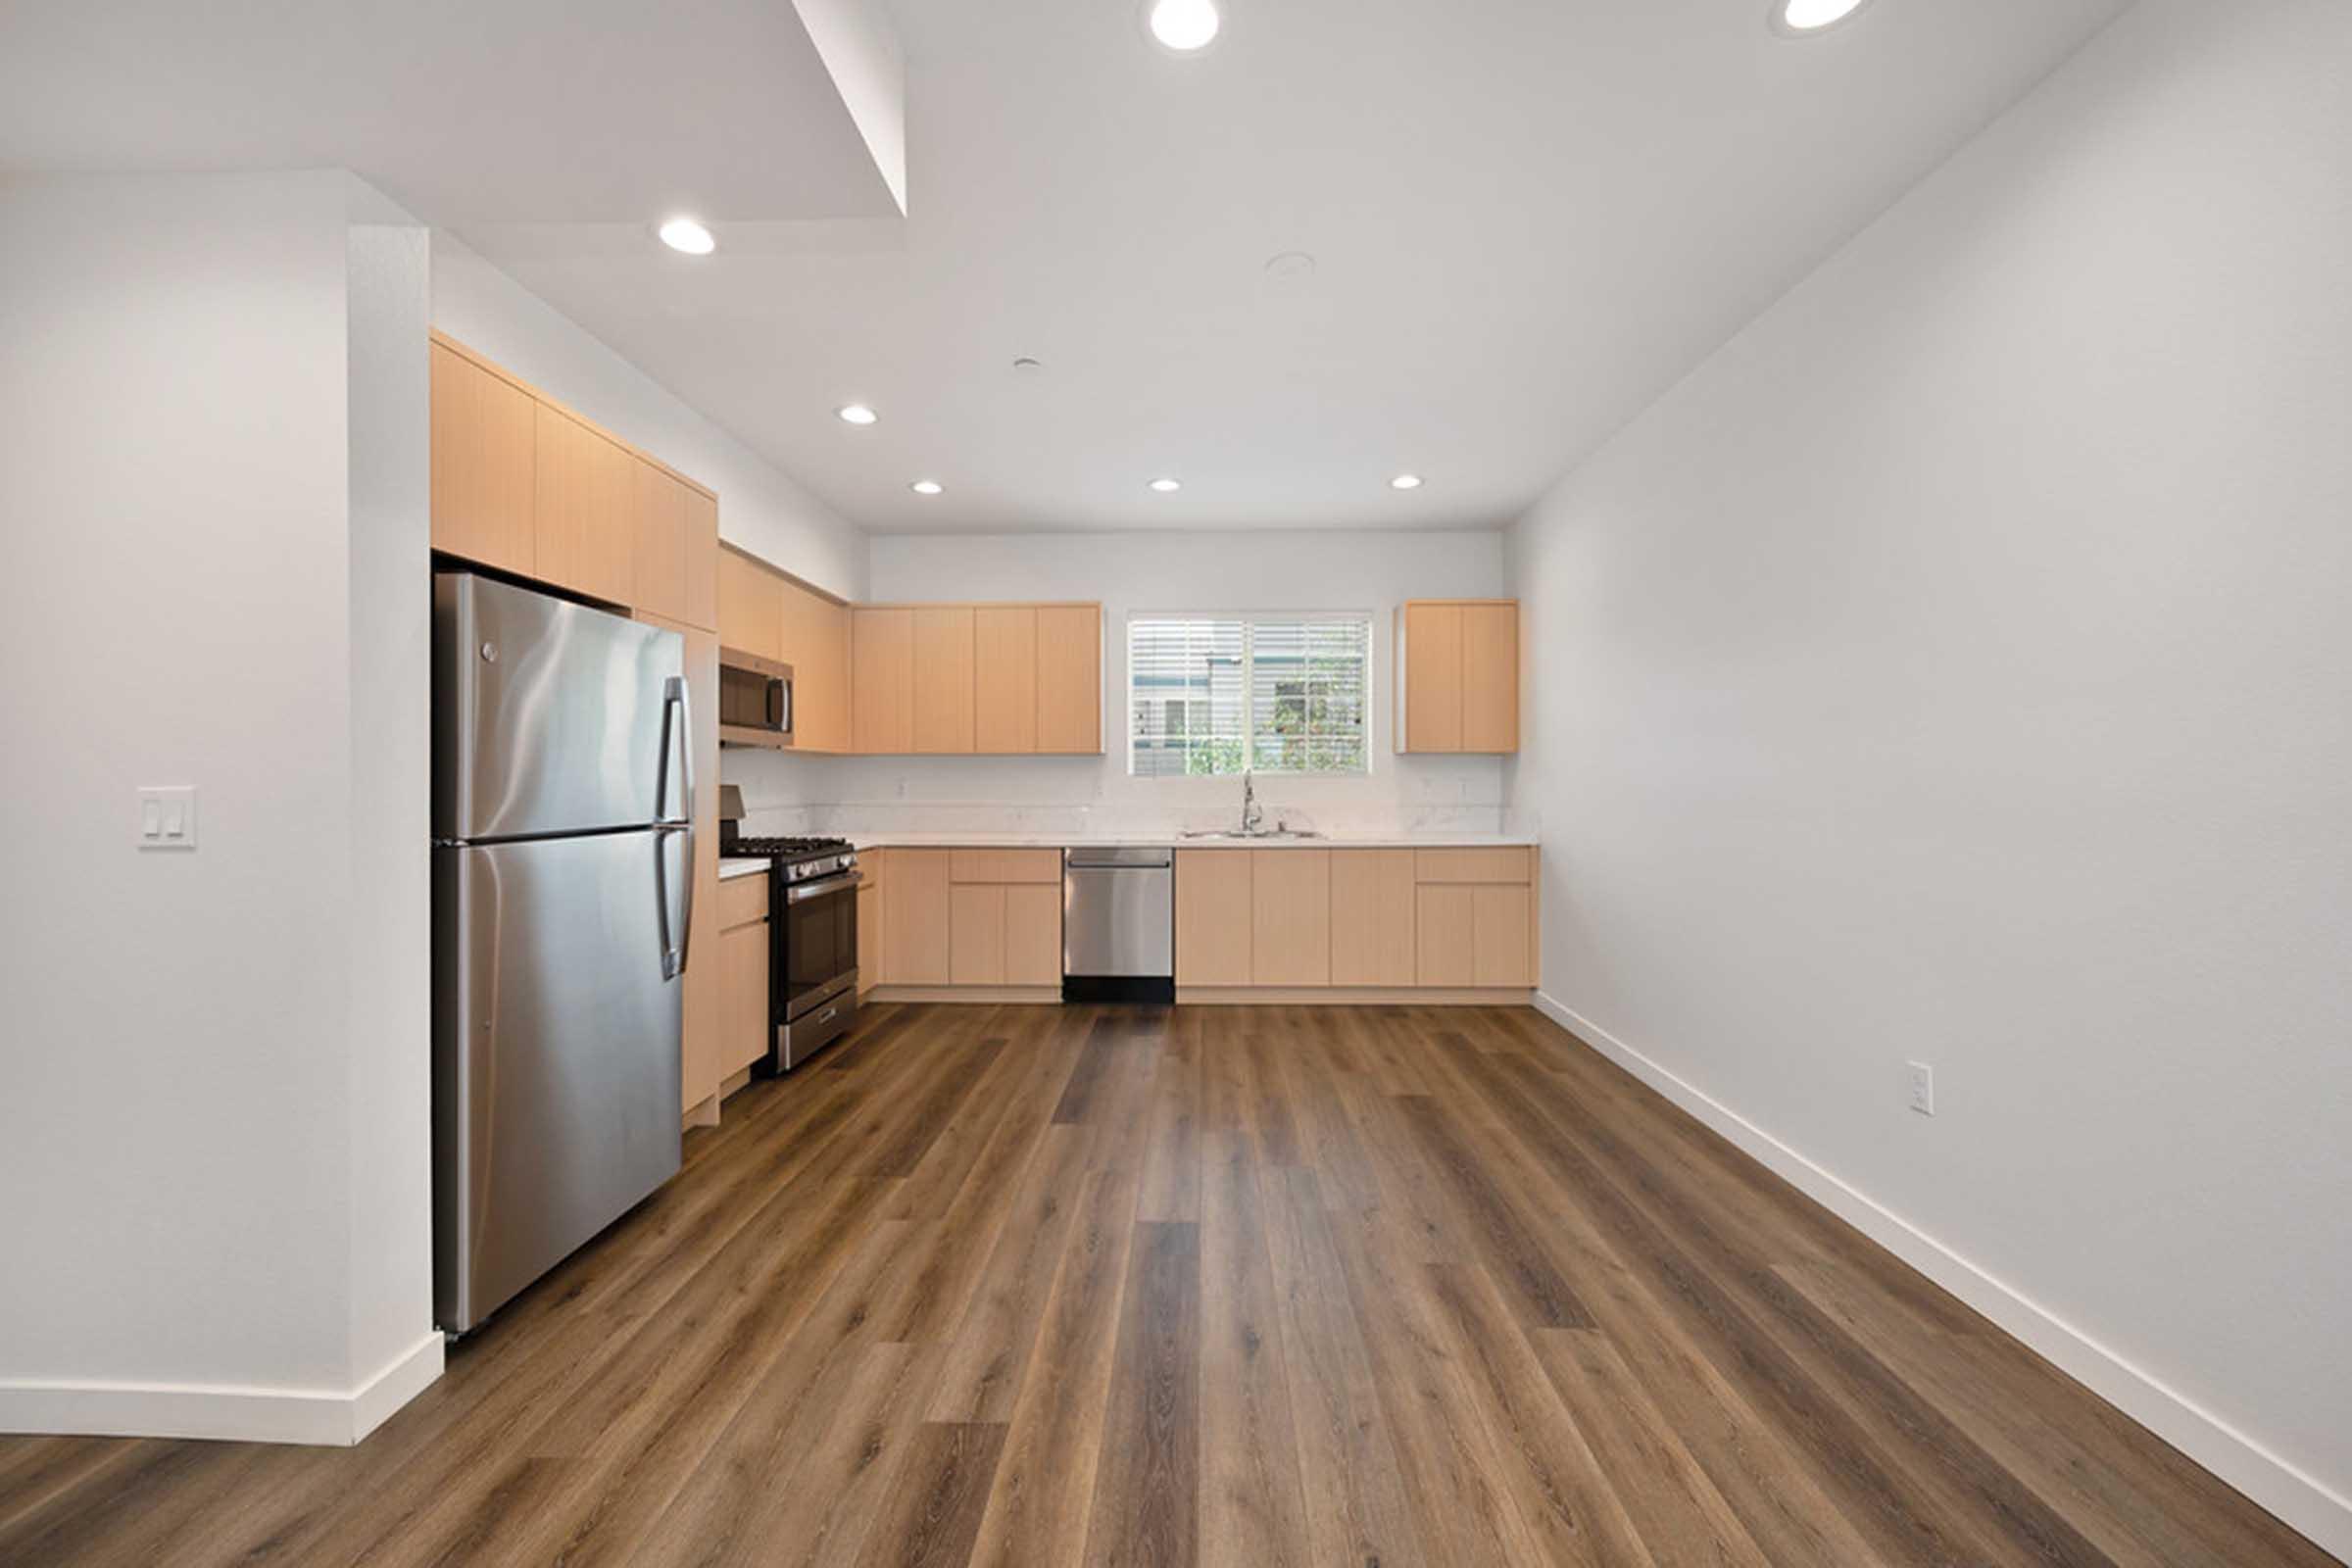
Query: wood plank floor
[[1027, 1286]]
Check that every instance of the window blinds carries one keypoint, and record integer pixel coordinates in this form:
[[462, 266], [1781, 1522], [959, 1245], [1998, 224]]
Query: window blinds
[[1215, 694]]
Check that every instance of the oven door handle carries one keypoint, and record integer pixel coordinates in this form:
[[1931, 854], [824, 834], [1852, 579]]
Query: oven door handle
[[825, 889]]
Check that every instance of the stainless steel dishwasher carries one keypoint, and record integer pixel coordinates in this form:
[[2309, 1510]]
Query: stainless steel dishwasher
[[1118, 941]]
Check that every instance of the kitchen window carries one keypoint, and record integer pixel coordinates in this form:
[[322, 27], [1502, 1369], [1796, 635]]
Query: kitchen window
[[1209, 695]]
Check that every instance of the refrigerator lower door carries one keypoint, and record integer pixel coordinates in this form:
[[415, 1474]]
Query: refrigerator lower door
[[555, 1074]]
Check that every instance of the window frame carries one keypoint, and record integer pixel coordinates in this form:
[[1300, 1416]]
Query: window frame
[[1250, 621]]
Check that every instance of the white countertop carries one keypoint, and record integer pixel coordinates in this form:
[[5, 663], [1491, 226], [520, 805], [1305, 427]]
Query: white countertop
[[741, 865], [1096, 840]]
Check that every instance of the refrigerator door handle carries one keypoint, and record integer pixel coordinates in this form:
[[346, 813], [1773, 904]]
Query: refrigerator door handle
[[673, 956], [675, 693]]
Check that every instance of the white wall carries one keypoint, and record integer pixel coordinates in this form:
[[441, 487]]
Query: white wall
[[1954, 669], [759, 508], [202, 1048], [1128, 572]]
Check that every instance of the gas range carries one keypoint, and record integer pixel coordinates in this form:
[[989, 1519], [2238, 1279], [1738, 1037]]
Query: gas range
[[797, 859]]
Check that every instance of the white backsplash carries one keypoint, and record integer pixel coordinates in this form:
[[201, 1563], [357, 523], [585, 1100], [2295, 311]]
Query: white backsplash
[[1091, 798], [1100, 821]]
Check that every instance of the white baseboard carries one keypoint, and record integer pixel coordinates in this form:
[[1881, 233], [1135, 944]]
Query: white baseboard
[[2301, 1500], [242, 1414]]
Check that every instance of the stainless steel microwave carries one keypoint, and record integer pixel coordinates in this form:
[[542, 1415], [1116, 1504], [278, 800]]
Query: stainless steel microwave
[[754, 699]]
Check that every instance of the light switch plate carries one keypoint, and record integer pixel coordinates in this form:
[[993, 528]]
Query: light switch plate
[[168, 817]]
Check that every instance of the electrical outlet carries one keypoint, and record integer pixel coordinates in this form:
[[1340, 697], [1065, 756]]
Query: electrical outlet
[[1923, 1089]]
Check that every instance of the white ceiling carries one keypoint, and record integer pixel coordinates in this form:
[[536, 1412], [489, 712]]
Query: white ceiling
[[464, 111], [1530, 217]]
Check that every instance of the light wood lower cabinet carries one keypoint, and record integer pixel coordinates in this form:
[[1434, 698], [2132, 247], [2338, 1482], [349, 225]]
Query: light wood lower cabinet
[[743, 963], [871, 963], [1372, 917], [917, 921], [1213, 917], [1474, 935], [976, 935], [1343, 920], [1289, 918], [979, 918], [1033, 934]]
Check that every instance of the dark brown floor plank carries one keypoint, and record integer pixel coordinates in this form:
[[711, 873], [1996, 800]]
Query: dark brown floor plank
[[1037, 1512], [1355, 1505], [1147, 1477], [937, 1498], [1250, 1503]]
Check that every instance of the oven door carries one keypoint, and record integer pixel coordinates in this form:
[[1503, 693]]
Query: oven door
[[817, 943]]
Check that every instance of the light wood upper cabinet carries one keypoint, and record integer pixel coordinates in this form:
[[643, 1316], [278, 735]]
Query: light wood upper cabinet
[[815, 643], [751, 607], [584, 535], [1490, 677], [1213, 915], [701, 524], [881, 679], [484, 461], [1004, 678], [1289, 917], [918, 919], [521, 483], [657, 524], [1372, 917], [676, 532], [1457, 687], [1069, 679], [943, 684]]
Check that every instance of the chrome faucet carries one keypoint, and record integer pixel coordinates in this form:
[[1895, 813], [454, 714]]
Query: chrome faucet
[[1251, 813]]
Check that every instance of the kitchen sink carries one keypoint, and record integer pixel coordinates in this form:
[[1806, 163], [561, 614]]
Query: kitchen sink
[[1255, 835]]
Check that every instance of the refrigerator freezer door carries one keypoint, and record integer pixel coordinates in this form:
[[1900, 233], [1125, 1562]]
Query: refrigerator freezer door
[[547, 716], [555, 1074]]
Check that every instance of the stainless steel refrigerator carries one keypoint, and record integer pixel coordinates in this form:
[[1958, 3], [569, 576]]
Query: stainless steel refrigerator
[[563, 900]]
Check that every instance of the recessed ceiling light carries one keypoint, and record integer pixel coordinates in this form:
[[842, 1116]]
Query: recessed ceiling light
[[685, 234], [1025, 365], [856, 414], [1799, 19], [927, 488], [1405, 481], [1167, 486], [1184, 25]]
